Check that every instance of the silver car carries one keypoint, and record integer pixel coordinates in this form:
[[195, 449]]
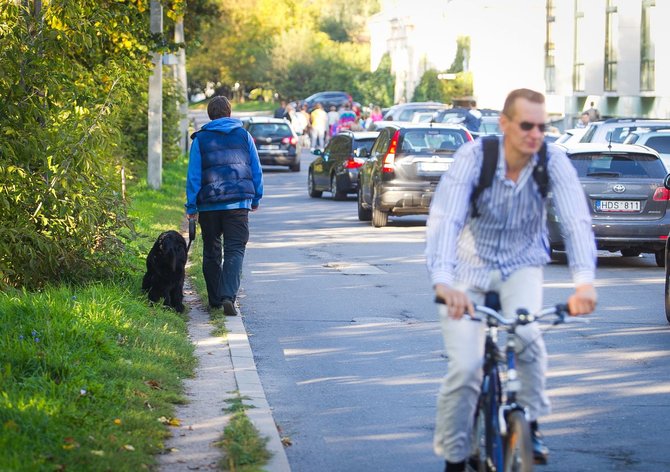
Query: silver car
[[624, 186]]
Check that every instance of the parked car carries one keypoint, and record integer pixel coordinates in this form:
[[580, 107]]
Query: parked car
[[624, 187], [405, 111], [615, 130], [404, 167], [335, 170], [328, 99], [276, 142], [570, 136], [666, 183], [658, 140]]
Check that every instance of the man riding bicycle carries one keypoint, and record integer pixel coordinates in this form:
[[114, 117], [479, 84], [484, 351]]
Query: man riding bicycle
[[502, 247]]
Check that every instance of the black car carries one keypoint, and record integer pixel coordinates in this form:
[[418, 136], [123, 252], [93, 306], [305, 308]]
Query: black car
[[624, 187], [328, 99], [335, 170], [276, 142], [405, 165]]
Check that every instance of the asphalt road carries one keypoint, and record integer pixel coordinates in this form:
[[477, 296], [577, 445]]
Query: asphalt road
[[345, 338]]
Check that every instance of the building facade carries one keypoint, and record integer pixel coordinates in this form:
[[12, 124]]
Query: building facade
[[577, 52]]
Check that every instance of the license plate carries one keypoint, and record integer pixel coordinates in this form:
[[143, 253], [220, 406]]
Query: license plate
[[434, 166], [269, 146], [618, 205]]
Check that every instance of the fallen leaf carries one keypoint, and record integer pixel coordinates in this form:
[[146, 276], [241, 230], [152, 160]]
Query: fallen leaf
[[286, 441], [163, 420], [153, 384], [174, 422], [128, 447], [98, 453], [117, 421]]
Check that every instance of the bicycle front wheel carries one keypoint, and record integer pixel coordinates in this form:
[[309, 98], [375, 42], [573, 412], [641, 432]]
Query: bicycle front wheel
[[518, 444]]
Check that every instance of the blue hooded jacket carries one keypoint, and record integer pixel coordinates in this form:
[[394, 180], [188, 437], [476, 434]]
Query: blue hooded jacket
[[224, 172]]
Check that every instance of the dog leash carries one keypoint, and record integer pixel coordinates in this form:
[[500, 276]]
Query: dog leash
[[191, 233]]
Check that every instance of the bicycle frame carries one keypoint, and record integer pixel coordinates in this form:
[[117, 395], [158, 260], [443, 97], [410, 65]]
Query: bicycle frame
[[494, 448]]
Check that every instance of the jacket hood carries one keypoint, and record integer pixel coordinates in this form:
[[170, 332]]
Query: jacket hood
[[223, 125]]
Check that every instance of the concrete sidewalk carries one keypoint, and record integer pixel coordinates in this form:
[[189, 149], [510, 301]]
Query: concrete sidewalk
[[226, 366]]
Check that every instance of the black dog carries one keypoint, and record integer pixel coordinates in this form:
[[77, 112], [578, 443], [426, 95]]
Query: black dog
[[165, 270]]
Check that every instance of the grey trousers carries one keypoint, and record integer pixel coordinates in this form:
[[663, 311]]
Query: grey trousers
[[464, 344]]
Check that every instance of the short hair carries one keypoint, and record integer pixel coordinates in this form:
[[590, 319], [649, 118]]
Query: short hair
[[218, 107], [510, 102]]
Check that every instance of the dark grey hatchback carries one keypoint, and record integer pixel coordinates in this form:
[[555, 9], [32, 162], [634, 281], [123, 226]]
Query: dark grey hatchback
[[276, 142], [406, 163], [624, 186]]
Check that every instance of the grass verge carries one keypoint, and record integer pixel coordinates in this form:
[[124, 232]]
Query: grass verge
[[89, 375], [244, 449]]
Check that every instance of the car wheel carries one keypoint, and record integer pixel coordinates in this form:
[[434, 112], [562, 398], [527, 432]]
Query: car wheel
[[295, 167], [311, 188], [667, 291], [660, 258], [337, 195], [379, 217], [364, 214]]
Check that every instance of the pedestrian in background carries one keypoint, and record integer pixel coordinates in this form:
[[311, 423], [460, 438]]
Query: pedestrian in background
[[594, 114], [281, 111], [473, 118], [584, 120], [333, 117], [319, 124], [224, 182]]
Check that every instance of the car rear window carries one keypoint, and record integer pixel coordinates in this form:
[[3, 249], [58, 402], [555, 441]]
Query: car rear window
[[364, 143], [618, 165], [429, 141], [266, 130], [660, 144]]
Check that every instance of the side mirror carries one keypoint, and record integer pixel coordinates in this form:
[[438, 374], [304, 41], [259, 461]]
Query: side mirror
[[316, 152], [666, 182], [361, 152]]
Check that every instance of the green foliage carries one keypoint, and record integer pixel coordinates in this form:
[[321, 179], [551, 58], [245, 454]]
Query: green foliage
[[87, 371], [462, 54], [296, 47], [431, 88], [244, 449], [86, 375], [73, 111]]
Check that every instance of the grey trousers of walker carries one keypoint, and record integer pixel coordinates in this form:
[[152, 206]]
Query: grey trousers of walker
[[464, 345]]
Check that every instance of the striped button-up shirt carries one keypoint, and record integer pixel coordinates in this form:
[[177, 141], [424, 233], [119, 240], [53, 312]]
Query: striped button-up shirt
[[510, 232]]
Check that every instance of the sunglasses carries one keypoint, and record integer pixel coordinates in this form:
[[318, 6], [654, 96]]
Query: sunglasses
[[527, 126]]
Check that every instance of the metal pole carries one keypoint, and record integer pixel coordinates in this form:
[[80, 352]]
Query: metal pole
[[180, 76], [155, 126]]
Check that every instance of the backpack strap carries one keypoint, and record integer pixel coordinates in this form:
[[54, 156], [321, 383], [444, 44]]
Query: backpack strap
[[489, 164], [540, 173]]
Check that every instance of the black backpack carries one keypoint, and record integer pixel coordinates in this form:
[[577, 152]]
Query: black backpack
[[490, 163]]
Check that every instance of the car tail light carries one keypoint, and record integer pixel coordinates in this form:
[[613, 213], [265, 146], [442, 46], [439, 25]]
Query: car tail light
[[353, 163], [389, 159], [289, 140], [661, 194]]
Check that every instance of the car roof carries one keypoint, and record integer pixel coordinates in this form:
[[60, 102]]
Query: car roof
[[266, 119], [583, 148], [361, 134], [424, 125], [654, 132]]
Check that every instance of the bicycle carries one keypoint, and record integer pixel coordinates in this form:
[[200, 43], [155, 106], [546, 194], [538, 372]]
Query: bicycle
[[501, 433]]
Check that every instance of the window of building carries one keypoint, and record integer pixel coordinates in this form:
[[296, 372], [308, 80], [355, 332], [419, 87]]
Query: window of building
[[578, 68], [549, 50], [647, 53], [611, 43]]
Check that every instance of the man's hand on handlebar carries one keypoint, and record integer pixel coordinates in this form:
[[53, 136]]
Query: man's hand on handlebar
[[583, 301], [457, 302]]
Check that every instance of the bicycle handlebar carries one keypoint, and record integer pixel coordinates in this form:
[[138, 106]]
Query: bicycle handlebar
[[560, 311]]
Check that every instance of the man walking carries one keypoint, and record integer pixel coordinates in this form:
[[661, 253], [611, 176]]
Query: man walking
[[224, 183], [502, 247]]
